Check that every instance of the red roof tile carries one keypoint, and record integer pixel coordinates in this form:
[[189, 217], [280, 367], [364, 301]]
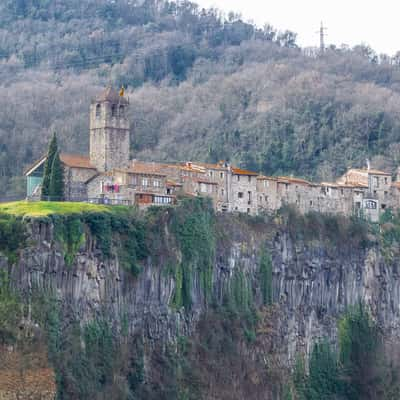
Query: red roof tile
[[76, 161], [239, 171]]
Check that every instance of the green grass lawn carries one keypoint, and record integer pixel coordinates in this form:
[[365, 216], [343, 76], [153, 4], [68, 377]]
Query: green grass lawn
[[45, 208]]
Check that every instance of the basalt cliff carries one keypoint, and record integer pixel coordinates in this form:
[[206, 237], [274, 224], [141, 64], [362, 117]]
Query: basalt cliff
[[181, 303]]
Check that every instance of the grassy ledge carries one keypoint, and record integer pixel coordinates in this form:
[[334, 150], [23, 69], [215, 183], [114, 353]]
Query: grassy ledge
[[45, 208]]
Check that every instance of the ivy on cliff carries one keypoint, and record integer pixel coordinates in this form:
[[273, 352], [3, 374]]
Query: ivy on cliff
[[69, 232], [358, 371], [120, 229], [335, 230], [10, 310], [12, 236], [193, 225]]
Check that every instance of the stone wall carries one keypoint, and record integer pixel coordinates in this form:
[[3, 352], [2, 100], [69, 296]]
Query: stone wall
[[75, 186], [109, 138], [243, 194]]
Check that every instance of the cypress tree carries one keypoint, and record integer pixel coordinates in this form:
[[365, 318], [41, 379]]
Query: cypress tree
[[56, 186], [53, 149]]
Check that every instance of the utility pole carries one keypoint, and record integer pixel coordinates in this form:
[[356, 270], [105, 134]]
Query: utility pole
[[322, 35]]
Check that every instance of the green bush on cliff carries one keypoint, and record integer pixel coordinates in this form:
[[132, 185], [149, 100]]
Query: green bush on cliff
[[360, 352], [69, 231], [10, 310], [336, 230], [12, 236], [358, 371], [117, 228]]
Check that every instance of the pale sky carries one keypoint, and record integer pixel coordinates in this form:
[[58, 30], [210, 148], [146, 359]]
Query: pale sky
[[374, 22]]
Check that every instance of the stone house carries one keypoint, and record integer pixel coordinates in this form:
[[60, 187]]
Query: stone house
[[376, 187], [242, 188], [77, 171]]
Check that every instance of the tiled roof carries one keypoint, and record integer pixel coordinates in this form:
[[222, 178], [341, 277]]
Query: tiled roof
[[70, 160], [368, 171], [111, 95], [396, 184], [218, 166], [173, 183], [266, 178], [193, 168], [239, 171], [287, 179], [76, 161], [206, 181], [350, 185], [147, 168]]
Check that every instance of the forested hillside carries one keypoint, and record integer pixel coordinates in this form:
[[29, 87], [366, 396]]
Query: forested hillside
[[202, 85]]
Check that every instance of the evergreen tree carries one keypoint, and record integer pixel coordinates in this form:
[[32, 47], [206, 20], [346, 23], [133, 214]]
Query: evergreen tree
[[53, 149], [56, 186]]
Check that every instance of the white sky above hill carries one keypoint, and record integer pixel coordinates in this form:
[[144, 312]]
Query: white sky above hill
[[373, 22]]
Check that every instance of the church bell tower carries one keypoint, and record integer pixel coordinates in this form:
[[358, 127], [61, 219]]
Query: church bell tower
[[109, 131]]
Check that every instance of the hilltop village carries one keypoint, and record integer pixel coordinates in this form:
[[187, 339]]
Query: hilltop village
[[108, 175]]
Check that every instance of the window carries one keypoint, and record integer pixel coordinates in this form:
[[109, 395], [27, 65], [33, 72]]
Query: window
[[121, 111], [134, 180], [249, 196], [240, 195], [221, 175], [383, 206], [203, 188], [98, 110], [145, 182], [386, 181], [162, 200], [113, 111], [248, 211], [376, 181], [222, 192], [238, 178], [156, 183], [211, 173], [249, 178], [266, 183], [371, 205]]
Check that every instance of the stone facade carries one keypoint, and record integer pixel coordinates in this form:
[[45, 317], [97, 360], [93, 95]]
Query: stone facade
[[109, 131], [243, 191]]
